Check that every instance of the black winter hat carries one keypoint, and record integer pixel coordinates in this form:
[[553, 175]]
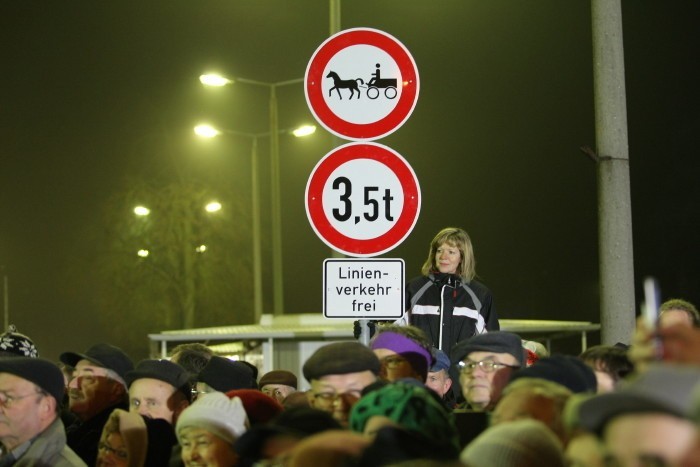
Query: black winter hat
[[224, 375], [566, 370], [163, 370], [494, 341], [43, 373], [104, 355], [340, 358]]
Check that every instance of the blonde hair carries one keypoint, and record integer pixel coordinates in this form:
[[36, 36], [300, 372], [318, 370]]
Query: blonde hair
[[459, 239]]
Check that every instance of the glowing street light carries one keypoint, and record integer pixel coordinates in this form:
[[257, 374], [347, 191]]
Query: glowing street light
[[206, 131], [276, 227], [214, 206], [141, 211], [212, 79], [143, 253], [304, 130]]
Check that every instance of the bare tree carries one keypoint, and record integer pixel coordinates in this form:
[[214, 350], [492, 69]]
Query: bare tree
[[179, 266]]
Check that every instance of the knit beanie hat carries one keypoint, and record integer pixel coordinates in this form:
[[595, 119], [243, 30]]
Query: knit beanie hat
[[13, 343], [259, 407], [216, 413], [520, 443], [412, 407]]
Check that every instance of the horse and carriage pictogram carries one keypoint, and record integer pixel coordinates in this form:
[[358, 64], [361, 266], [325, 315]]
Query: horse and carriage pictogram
[[373, 85]]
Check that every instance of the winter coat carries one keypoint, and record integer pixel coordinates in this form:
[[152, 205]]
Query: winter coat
[[449, 310]]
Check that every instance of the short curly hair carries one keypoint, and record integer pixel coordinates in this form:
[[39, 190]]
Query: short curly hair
[[678, 304]]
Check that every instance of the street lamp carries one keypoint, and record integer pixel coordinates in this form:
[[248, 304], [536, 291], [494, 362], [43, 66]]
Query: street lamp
[[208, 131], [277, 275]]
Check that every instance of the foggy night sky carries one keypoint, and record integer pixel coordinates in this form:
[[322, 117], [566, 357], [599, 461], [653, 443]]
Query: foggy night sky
[[93, 91]]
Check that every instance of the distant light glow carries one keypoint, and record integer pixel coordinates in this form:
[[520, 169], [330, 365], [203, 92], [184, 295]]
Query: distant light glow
[[305, 130], [214, 206], [143, 253], [212, 79], [141, 211], [201, 249], [206, 131]]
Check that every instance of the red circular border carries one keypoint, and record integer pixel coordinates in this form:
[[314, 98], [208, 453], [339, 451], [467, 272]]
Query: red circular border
[[317, 215], [367, 131]]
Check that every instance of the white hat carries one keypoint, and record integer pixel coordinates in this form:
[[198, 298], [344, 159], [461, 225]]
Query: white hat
[[216, 413]]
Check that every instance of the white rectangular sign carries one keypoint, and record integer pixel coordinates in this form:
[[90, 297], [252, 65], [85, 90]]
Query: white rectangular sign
[[363, 288]]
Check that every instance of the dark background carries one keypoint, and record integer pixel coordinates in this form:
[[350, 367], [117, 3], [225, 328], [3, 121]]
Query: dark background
[[96, 92]]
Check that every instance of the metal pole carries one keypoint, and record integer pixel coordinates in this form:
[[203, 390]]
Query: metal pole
[[617, 305], [334, 16], [257, 245], [334, 29], [277, 272], [276, 227]]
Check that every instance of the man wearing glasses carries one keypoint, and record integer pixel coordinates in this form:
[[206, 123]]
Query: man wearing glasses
[[338, 373], [97, 388], [480, 358], [159, 389], [31, 433]]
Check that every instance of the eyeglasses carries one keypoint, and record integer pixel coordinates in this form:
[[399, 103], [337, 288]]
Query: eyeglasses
[[330, 398], [393, 361], [6, 400], [487, 366], [196, 393], [110, 450]]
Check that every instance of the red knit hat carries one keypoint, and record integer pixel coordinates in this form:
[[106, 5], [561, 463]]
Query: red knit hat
[[259, 407]]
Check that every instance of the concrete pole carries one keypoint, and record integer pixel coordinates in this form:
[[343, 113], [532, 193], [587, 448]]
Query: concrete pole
[[257, 243], [617, 304]]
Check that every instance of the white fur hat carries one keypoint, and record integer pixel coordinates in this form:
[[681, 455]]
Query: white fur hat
[[216, 413]]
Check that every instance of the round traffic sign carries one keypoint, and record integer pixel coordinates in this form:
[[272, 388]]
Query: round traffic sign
[[362, 199], [361, 84]]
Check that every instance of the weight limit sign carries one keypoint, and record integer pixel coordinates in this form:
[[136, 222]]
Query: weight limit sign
[[362, 199]]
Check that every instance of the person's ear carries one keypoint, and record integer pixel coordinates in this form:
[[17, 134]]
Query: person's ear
[[47, 407], [310, 397], [179, 407]]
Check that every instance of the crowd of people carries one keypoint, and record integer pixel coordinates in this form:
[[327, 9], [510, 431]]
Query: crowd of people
[[445, 387], [390, 403]]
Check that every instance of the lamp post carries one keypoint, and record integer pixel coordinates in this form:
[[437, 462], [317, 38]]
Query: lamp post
[[208, 131], [276, 226]]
